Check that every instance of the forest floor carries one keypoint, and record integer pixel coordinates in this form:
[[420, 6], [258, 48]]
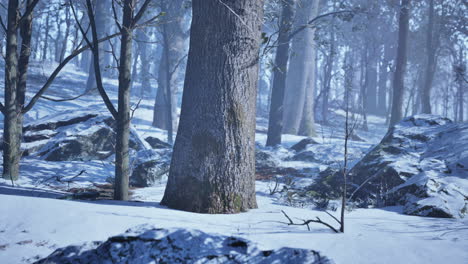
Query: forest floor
[[33, 223]]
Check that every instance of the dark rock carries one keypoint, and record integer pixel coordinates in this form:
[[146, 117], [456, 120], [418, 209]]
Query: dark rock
[[145, 244], [156, 143], [305, 156], [301, 145], [149, 167], [75, 135]]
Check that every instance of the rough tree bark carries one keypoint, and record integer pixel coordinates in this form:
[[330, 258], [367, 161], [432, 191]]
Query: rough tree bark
[[11, 155], [213, 164], [398, 80], [275, 122]]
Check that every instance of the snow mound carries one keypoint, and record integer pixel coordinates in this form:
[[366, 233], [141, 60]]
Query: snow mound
[[422, 163], [146, 244]]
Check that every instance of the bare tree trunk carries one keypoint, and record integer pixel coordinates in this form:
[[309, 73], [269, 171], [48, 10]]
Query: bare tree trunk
[[213, 164], [398, 80], [67, 34], [275, 123], [176, 39], [327, 76], [145, 62], [301, 65], [11, 151], [122, 166], [430, 63], [383, 78]]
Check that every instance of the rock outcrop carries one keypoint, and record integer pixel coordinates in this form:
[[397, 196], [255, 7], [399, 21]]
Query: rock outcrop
[[422, 164], [145, 244]]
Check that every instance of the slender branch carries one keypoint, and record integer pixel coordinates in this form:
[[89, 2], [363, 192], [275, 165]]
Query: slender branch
[[29, 10], [3, 25], [68, 99], [97, 67], [58, 69], [141, 12], [116, 18], [2, 108], [332, 216]]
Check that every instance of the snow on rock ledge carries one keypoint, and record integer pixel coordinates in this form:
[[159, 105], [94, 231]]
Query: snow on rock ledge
[[422, 163], [146, 244]]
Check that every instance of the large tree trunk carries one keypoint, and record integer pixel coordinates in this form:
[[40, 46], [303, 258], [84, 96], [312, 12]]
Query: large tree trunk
[[301, 66], [275, 122], [122, 162], [11, 151], [213, 164], [430, 63], [398, 80], [175, 37]]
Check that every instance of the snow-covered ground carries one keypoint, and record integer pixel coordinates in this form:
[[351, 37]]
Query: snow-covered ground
[[32, 227], [33, 224]]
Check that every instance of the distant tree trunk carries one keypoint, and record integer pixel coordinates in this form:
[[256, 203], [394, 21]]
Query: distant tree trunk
[[175, 37], [67, 34], [307, 127], [58, 37], [371, 80], [327, 76], [122, 161], [11, 151], [301, 65], [398, 79], [430, 63], [275, 124], [145, 62], [363, 91], [460, 72], [383, 79], [213, 163], [136, 54], [46, 38]]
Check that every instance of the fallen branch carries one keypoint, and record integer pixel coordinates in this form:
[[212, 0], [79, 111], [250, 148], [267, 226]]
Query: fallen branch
[[307, 222]]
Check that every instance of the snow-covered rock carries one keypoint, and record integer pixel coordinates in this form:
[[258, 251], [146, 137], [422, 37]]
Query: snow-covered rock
[[150, 167], [422, 163], [75, 135], [146, 244]]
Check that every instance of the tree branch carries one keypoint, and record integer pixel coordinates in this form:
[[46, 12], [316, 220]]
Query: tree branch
[[141, 12], [307, 222]]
